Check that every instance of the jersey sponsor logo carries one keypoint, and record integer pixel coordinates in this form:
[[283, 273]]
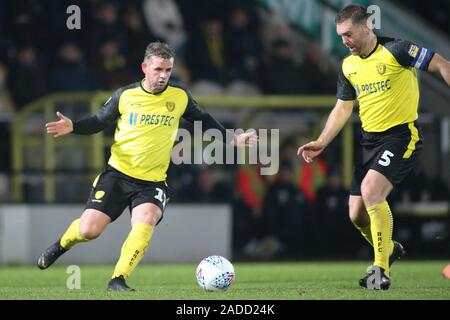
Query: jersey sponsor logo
[[381, 68], [170, 105], [380, 86], [156, 119], [413, 50], [133, 118], [356, 90]]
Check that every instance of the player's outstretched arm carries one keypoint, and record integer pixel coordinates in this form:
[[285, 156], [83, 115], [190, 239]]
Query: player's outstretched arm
[[246, 139], [60, 128], [195, 113], [440, 65], [336, 121]]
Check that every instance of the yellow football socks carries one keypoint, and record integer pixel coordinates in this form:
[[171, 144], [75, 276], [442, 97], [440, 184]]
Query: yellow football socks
[[381, 224], [366, 233], [72, 236], [133, 249]]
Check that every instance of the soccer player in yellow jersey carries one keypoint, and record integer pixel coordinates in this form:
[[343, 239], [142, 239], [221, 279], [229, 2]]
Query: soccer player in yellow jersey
[[147, 115], [381, 74]]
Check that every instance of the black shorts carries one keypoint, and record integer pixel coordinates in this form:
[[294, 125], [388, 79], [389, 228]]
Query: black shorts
[[393, 153], [113, 191]]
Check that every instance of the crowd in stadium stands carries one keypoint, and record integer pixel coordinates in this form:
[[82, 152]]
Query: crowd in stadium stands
[[434, 13], [219, 45], [220, 50]]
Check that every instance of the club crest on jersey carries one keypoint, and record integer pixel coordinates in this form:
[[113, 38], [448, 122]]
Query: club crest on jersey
[[170, 105], [381, 68]]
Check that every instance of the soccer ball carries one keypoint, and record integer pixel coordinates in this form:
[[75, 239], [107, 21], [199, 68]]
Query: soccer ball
[[215, 273]]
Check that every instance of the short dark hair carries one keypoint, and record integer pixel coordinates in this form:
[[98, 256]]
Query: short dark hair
[[159, 49], [358, 14]]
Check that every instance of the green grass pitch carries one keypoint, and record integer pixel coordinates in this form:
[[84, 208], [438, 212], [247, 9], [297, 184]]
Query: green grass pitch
[[279, 281]]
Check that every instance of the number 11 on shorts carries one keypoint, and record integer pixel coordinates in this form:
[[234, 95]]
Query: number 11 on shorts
[[161, 196]]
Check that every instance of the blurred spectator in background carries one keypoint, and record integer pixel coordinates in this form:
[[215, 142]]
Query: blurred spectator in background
[[284, 213], [243, 47], [7, 109], [205, 55], [181, 179], [417, 187], [321, 76], [280, 73], [166, 23], [29, 79], [413, 188], [250, 188], [138, 36], [438, 190], [330, 219], [6, 102], [433, 13], [111, 66], [106, 25], [57, 23], [28, 20], [207, 188], [7, 37], [308, 177], [70, 72]]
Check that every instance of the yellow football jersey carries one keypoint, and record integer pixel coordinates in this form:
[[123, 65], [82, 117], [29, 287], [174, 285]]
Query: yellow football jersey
[[146, 127], [385, 83]]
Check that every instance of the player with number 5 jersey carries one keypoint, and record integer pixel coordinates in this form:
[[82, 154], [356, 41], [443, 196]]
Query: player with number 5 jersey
[[381, 73]]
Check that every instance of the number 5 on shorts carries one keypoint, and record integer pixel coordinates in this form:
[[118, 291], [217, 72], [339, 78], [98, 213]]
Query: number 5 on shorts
[[386, 158]]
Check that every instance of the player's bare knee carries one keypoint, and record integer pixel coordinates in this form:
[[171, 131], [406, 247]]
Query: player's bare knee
[[148, 213], [90, 231], [150, 217], [371, 193], [153, 217]]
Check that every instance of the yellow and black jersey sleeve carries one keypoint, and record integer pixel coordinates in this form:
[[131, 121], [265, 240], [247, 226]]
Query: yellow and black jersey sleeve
[[407, 53], [108, 114], [195, 113], [345, 90]]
